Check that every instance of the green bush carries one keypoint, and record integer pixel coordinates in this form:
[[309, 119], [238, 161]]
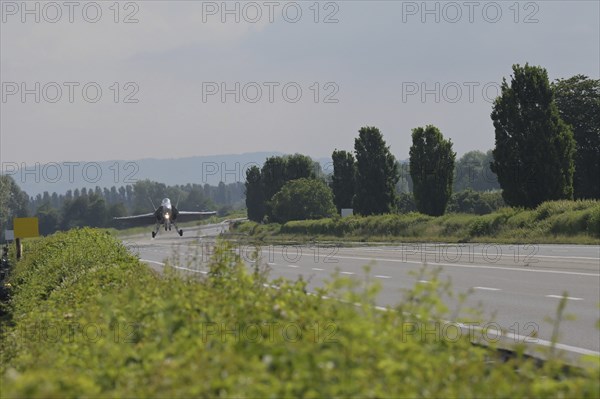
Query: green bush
[[302, 199], [570, 223], [552, 222], [116, 329], [469, 201], [594, 222]]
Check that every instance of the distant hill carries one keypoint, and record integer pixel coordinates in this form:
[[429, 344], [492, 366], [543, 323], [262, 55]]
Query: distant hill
[[60, 177]]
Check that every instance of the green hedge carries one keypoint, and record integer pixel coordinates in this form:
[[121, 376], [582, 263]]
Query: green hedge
[[97, 323], [569, 221]]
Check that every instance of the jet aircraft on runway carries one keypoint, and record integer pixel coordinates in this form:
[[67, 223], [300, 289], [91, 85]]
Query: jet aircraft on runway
[[167, 215]]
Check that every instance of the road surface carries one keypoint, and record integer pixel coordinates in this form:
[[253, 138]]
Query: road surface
[[517, 286]]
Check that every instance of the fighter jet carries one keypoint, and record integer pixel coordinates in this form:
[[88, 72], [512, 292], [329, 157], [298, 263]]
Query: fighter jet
[[167, 215]]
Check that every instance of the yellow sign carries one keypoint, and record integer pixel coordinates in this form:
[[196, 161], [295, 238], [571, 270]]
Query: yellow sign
[[26, 227]]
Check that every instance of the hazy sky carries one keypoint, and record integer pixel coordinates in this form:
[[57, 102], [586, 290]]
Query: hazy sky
[[384, 63]]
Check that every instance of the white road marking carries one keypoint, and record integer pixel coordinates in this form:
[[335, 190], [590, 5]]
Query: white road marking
[[349, 273], [381, 276], [294, 266], [423, 281], [152, 261], [472, 266], [318, 269], [271, 264], [560, 297], [176, 267], [509, 335], [486, 288], [419, 252]]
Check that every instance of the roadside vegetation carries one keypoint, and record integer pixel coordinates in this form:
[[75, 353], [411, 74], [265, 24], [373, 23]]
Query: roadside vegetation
[[544, 166], [551, 222], [100, 324], [97, 207]]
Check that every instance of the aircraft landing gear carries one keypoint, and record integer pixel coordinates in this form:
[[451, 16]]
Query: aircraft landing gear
[[155, 231], [177, 229]]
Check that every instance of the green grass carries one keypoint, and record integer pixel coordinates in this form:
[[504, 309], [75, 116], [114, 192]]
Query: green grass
[[575, 222], [100, 324]]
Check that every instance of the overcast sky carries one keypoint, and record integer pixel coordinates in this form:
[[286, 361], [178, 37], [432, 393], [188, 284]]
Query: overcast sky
[[389, 64]]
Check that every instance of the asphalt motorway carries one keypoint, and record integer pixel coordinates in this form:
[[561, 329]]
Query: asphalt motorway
[[517, 286]]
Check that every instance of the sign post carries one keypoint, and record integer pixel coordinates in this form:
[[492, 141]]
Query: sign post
[[24, 228]]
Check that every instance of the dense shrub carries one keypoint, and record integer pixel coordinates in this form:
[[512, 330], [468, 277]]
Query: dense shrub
[[115, 329], [554, 221], [469, 201]]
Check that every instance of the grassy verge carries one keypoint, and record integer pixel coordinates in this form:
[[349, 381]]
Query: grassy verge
[[85, 318], [576, 222]]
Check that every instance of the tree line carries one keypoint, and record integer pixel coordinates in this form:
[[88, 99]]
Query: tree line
[[96, 207], [547, 147]]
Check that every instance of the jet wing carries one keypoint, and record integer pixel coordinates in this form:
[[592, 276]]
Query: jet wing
[[137, 220], [188, 216]]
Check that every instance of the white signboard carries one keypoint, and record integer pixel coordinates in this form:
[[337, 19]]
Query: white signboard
[[347, 212], [9, 235]]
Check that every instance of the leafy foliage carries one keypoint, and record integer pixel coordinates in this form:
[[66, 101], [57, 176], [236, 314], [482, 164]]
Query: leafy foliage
[[431, 169], [343, 179], [534, 150], [406, 203], [96, 207], [303, 199], [13, 202], [263, 184], [472, 172], [376, 173], [109, 327], [255, 201], [578, 101], [553, 221], [469, 201]]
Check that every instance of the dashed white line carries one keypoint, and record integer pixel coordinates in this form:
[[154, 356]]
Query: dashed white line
[[175, 267], [423, 281], [486, 288], [152, 261], [560, 297], [294, 266], [349, 273], [472, 266], [318, 269], [381, 276]]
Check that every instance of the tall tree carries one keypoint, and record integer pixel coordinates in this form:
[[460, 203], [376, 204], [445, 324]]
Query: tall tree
[[196, 200], [74, 212], [473, 172], [13, 202], [376, 173], [533, 157], [342, 182], [273, 174], [97, 212], [48, 218], [431, 169], [299, 166], [578, 101], [255, 199], [143, 191]]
